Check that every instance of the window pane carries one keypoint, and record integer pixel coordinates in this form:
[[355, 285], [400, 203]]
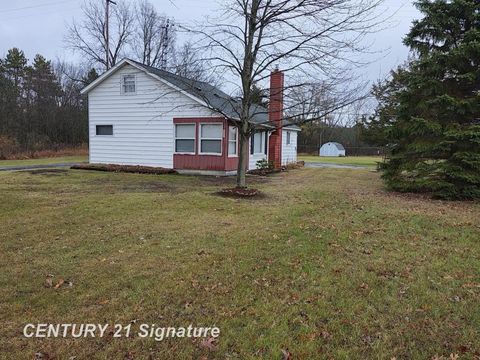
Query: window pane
[[288, 137], [129, 88], [232, 133], [186, 146], [129, 83], [185, 131], [232, 148], [258, 143], [211, 146], [104, 129], [212, 131]]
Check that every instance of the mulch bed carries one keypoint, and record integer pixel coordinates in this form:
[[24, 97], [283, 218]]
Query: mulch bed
[[124, 169], [263, 172], [241, 193]]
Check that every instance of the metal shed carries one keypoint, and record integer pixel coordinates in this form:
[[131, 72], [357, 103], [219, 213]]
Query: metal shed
[[332, 149]]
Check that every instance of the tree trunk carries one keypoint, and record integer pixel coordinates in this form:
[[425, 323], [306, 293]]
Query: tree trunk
[[242, 160]]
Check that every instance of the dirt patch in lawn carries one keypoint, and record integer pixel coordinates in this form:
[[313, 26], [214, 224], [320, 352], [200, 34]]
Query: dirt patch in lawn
[[48, 172], [241, 193], [154, 186], [229, 180]]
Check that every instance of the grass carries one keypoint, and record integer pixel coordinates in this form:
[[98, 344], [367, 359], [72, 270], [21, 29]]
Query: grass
[[43, 161], [327, 265], [368, 161]]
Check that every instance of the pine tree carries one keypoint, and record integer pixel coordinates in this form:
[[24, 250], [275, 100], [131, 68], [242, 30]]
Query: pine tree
[[429, 112]]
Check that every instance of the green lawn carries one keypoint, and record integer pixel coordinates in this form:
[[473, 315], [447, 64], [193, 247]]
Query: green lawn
[[370, 161], [43, 161], [327, 264]]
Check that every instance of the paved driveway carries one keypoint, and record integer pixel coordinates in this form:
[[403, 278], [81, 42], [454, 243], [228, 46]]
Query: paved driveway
[[33, 167], [334, 166]]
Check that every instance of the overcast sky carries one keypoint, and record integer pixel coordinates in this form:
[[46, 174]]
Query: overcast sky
[[38, 26]]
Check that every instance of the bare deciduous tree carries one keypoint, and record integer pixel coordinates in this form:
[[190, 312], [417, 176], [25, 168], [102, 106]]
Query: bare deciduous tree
[[189, 64], [154, 38], [308, 39], [88, 36]]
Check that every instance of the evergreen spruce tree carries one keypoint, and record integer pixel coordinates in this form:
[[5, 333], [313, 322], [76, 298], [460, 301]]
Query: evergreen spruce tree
[[429, 112]]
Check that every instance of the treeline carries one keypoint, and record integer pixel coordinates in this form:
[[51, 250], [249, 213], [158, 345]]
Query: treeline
[[40, 104]]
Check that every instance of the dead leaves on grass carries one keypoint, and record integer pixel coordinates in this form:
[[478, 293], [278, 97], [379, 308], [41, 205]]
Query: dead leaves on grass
[[61, 282], [41, 356], [209, 344], [286, 355]]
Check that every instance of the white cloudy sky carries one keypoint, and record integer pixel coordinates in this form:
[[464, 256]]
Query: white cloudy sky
[[38, 26]]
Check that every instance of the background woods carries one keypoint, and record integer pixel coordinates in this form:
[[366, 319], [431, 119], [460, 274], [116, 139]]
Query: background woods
[[40, 104]]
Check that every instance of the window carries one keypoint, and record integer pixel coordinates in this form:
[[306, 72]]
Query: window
[[128, 85], [288, 137], [211, 138], [232, 140], [258, 143], [185, 138], [104, 129]]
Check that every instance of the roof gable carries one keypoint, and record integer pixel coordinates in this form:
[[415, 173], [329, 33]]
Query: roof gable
[[203, 93]]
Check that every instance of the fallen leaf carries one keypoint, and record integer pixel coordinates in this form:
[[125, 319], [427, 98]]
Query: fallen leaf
[[59, 283], [471, 285], [103, 302], [48, 281], [286, 355], [209, 343], [41, 356], [325, 334]]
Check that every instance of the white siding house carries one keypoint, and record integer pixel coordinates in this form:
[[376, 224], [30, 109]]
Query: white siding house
[[142, 121], [140, 115]]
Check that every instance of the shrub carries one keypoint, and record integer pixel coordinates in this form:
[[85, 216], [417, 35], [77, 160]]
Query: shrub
[[264, 164]]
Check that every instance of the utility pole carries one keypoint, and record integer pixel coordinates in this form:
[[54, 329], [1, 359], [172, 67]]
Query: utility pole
[[107, 45], [165, 40]]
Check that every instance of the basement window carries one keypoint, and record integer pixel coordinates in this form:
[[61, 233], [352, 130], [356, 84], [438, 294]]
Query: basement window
[[211, 139], [185, 138], [104, 130], [128, 84]]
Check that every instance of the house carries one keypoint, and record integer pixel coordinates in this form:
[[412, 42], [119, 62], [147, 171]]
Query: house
[[332, 149], [140, 115]]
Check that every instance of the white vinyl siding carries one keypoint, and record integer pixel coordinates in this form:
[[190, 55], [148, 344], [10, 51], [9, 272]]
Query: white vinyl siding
[[143, 124], [289, 150]]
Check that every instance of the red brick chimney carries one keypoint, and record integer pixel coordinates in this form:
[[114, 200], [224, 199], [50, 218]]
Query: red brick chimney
[[275, 116]]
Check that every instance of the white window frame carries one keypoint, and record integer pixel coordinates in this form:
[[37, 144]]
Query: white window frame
[[123, 84], [262, 133], [200, 139], [233, 141], [113, 130], [289, 138], [184, 138]]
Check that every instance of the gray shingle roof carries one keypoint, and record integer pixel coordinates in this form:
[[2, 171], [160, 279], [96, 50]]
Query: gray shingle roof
[[215, 98]]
